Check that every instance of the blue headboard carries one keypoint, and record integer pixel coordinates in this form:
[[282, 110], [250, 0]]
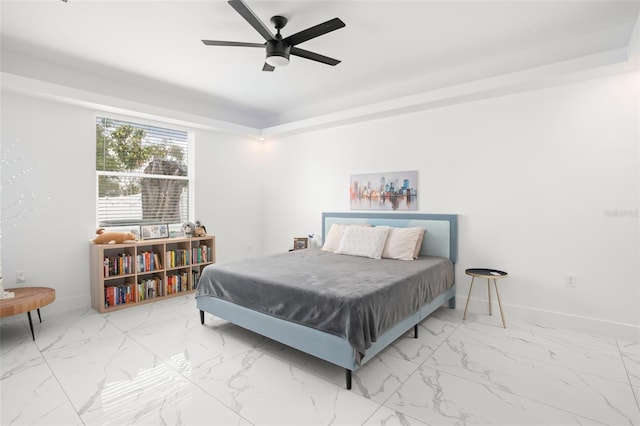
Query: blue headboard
[[440, 238]]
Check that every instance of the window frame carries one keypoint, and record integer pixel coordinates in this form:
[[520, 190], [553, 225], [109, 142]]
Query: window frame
[[190, 177]]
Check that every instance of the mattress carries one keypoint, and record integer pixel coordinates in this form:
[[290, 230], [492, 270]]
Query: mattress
[[353, 297]]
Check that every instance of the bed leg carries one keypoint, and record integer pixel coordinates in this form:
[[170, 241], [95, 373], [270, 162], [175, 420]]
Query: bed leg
[[348, 377], [201, 317], [452, 303], [415, 331]]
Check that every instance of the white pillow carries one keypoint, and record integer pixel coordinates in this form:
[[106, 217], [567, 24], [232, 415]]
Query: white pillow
[[402, 243], [334, 236], [416, 253], [364, 241]]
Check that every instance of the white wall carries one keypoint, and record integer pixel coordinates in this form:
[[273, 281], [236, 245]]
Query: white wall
[[49, 192], [545, 182], [229, 193], [50, 148]]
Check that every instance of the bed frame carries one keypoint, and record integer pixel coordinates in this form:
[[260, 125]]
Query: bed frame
[[441, 239]]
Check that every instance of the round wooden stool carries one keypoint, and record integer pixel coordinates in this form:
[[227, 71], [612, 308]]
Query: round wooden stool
[[27, 299], [489, 274]]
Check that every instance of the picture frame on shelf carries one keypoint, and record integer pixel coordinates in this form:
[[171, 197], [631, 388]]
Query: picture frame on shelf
[[300, 243], [154, 231]]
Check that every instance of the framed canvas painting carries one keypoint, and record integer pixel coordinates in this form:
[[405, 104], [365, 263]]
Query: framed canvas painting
[[384, 191]]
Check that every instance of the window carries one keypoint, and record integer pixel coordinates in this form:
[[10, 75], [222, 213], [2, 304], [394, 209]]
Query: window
[[142, 174]]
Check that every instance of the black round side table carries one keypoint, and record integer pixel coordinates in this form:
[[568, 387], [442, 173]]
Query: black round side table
[[489, 274]]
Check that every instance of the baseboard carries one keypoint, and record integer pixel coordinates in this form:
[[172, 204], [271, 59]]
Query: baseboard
[[554, 319], [67, 304]]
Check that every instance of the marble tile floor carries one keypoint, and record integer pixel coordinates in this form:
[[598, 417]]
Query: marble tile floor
[[155, 364]]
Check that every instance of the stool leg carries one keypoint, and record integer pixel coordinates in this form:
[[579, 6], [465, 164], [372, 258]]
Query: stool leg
[[489, 288], [504, 323], [464, 317], [31, 326], [39, 317]]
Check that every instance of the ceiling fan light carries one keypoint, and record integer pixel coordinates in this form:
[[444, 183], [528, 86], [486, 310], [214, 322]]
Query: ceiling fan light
[[277, 61], [277, 53]]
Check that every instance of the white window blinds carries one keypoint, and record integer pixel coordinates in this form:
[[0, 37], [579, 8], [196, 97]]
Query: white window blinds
[[142, 173]]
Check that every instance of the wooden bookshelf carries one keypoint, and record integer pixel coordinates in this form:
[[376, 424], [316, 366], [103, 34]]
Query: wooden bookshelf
[[125, 275]]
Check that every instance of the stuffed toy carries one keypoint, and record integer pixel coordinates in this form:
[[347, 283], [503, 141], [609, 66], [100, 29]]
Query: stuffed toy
[[188, 229], [113, 237], [200, 230]]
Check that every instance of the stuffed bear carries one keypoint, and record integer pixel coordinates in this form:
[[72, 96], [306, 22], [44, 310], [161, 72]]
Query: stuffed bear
[[113, 237]]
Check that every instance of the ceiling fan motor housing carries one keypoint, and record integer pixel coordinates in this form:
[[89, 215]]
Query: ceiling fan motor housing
[[277, 47]]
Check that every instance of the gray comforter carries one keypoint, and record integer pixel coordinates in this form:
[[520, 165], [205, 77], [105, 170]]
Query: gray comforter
[[356, 298]]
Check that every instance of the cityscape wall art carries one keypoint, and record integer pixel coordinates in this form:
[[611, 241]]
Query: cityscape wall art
[[384, 191]]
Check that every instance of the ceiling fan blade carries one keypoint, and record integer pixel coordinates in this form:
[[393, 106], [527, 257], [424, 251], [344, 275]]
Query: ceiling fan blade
[[268, 67], [315, 31], [313, 56], [231, 43], [242, 8]]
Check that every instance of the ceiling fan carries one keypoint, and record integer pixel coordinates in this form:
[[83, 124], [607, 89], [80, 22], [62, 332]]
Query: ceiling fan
[[278, 49]]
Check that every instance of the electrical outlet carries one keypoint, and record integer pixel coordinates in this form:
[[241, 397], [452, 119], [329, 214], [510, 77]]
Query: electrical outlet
[[20, 278], [571, 280]]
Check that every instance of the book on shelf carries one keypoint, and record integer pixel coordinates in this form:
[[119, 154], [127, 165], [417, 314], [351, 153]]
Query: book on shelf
[[177, 258], [118, 295], [157, 263], [195, 278], [118, 265], [177, 283], [201, 254], [149, 288], [148, 261]]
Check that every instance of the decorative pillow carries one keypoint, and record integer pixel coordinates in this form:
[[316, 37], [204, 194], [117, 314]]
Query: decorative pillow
[[364, 241], [416, 253], [334, 236], [402, 243]]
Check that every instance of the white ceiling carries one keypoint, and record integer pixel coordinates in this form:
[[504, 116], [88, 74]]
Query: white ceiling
[[389, 49]]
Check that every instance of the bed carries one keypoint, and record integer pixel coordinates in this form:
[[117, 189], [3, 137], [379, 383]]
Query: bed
[[340, 308]]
